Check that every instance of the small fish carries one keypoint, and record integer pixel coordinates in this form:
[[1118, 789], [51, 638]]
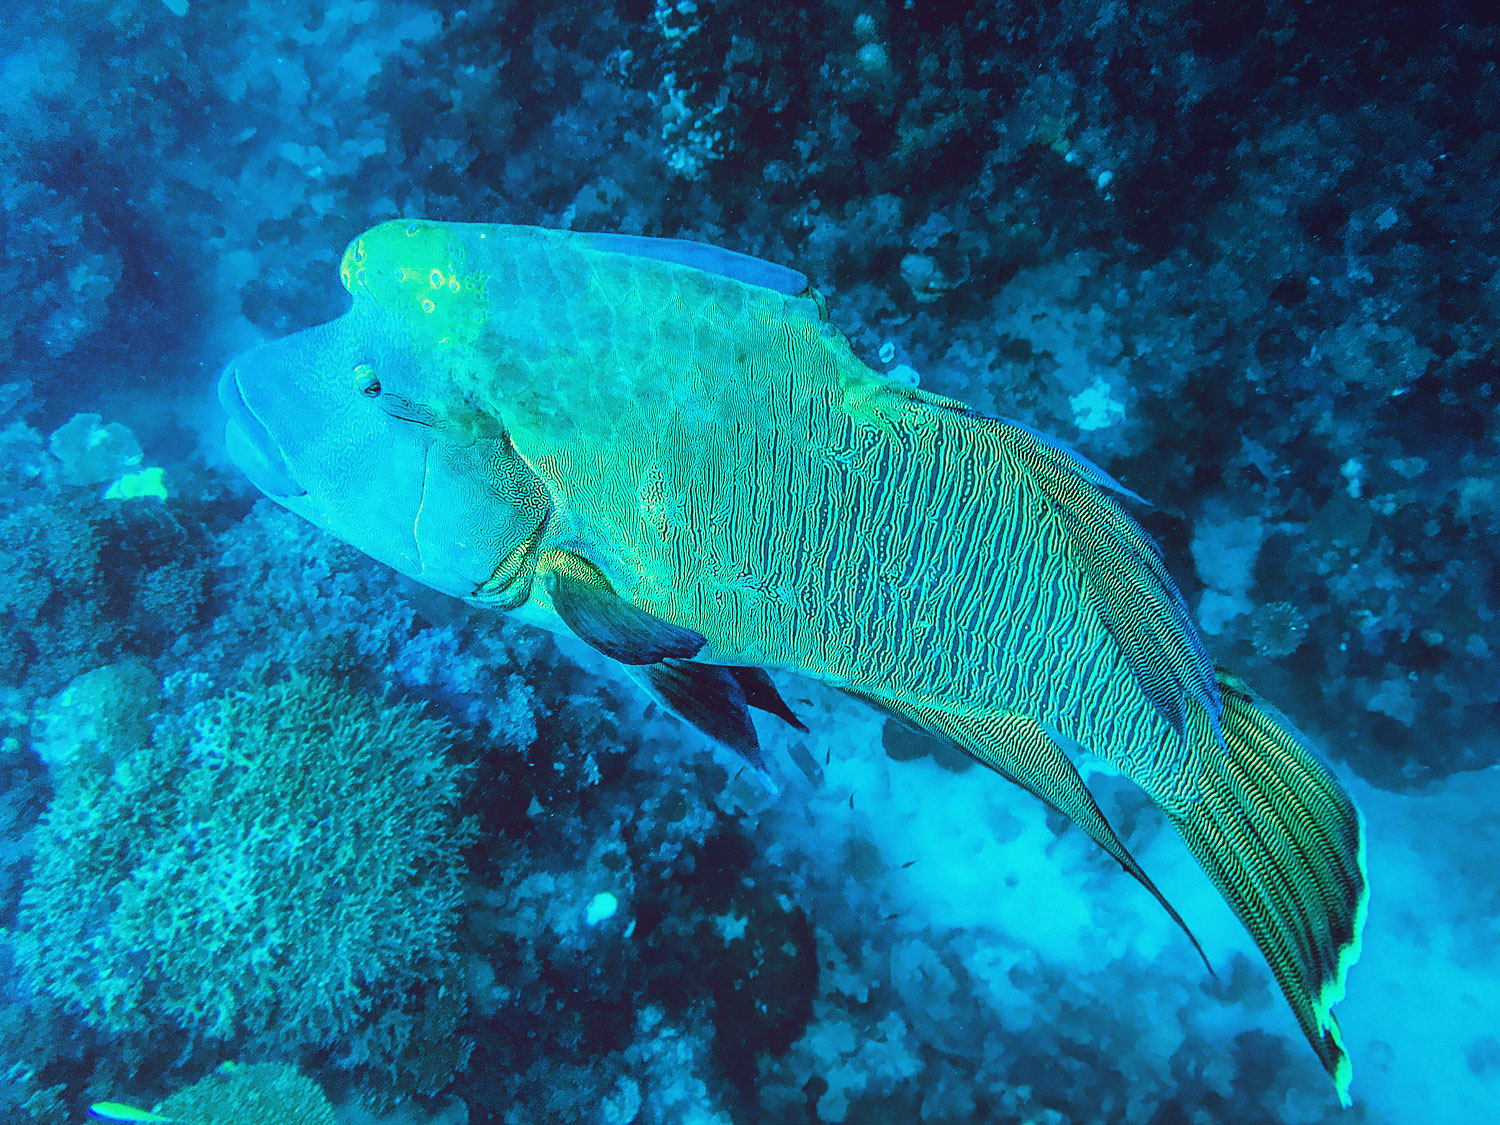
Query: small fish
[[128, 1115], [668, 450]]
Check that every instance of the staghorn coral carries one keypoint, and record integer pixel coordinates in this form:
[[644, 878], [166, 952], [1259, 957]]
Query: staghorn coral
[[24, 1100]]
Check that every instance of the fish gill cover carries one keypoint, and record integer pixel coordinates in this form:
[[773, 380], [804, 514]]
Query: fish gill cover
[[1242, 259]]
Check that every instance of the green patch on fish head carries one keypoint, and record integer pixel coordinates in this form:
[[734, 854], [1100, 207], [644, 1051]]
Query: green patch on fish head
[[473, 302], [425, 275], [577, 346], [531, 324]]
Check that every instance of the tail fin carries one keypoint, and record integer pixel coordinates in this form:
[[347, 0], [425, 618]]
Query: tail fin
[[1285, 846]]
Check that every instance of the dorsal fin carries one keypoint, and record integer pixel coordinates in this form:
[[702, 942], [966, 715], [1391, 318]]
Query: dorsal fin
[[1132, 590], [701, 256], [1080, 464], [1127, 578]]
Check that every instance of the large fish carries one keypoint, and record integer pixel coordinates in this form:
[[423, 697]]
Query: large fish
[[668, 450]]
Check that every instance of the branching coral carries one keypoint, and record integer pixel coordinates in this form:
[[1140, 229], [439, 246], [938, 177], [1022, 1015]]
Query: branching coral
[[286, 868], [261, 1094]]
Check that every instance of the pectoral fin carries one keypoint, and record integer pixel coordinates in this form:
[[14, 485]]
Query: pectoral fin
[[588, 604]]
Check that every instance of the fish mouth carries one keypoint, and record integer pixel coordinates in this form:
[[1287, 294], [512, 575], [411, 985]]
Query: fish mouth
[[250, 444]]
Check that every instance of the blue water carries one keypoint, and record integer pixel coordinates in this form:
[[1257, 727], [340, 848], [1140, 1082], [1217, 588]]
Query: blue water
[[267, 808]]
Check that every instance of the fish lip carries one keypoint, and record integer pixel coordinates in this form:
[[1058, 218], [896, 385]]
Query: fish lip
[[510, 584], [244, 420]]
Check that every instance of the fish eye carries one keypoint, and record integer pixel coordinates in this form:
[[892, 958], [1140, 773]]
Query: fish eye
[[365, 381]]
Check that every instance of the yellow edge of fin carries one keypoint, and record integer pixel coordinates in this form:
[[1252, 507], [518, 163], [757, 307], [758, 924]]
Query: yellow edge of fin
[[1333, 988]]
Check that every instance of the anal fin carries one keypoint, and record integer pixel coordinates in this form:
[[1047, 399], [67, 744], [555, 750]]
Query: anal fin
[[1020, 749]]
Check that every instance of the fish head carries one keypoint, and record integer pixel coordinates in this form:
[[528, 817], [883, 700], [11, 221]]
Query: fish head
[[328, 422], [396, 426]]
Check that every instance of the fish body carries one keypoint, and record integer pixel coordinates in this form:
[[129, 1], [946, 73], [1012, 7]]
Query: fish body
[[122, 1114], [670, 451], [718, 451]]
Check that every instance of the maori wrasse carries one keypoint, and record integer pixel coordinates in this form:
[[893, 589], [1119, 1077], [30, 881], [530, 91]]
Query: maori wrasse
[[668, 450]]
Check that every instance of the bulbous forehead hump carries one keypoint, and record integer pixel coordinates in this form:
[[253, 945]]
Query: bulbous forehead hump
[[414, 266]]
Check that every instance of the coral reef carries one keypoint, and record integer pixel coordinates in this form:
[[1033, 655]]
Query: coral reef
[[254, 1094], [90, 578], [283, 868], [1242, 256]]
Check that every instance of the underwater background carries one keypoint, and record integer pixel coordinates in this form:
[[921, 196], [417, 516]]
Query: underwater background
[[286, 838]]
